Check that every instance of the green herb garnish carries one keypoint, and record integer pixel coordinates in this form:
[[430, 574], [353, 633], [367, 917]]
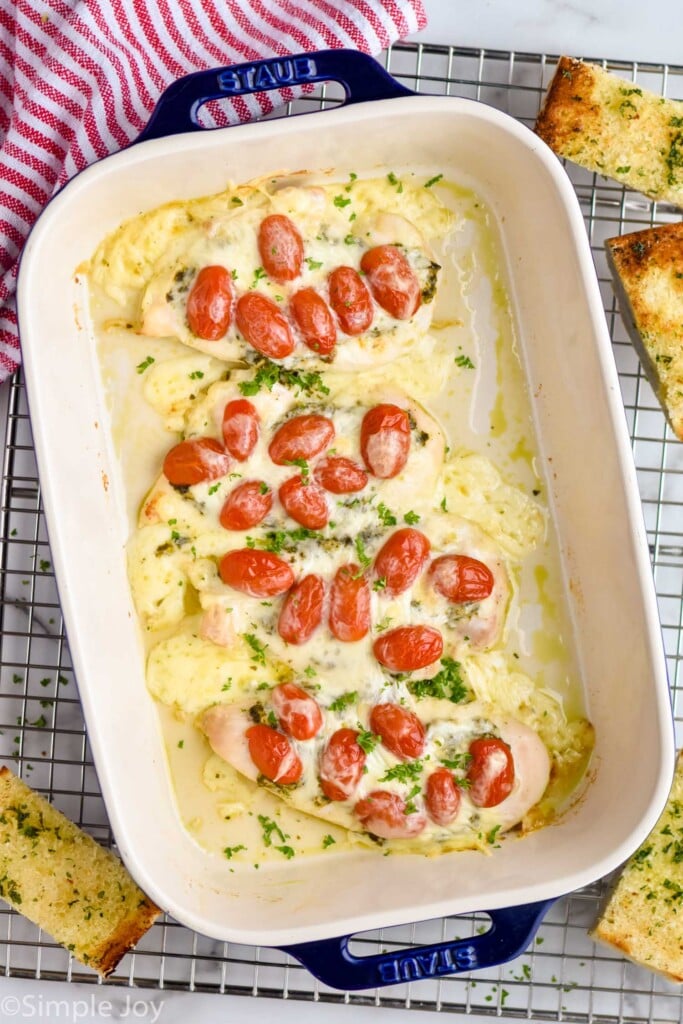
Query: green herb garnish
[[447, 684]]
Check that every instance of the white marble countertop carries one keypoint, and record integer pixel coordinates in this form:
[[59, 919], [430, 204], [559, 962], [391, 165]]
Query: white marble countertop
[[616, 29]]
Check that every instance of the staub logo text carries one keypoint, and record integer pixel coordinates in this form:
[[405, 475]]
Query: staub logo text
[[287, 71]]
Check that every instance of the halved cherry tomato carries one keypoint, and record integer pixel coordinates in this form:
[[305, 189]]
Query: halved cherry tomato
[[246, 505], [304, 502], [240, 428], [385, 814], [209, 304], [407, 648], [301, 437], [281, 248], [392, 280], [350, 300], [340, 475], [257, 573], [400, 560], [442, 797], [313, 318], [401, 730], [273, 755], [264, 325], [298, 713], [461, 578], [302, 610], [385, 440], [491, 773], [349, 604], [341, 765], [196, 461]]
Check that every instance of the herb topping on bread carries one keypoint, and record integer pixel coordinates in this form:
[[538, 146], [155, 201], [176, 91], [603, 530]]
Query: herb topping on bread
[[648, 272], [609, 125], [65, 882]]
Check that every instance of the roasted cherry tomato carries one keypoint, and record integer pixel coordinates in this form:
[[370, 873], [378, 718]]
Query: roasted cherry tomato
[[461, 578], [401, 730], [301, 437], [400, 560], [407, 648], [392, 280], [349, 604], [304, 502], [196, 461], [210, 302], [246, 505], [257, 573], [264, 325], [273, 755], [341, 765], [240, 428], [298, 713], [442, 797], [350, 300], [491, 774], [340, 475], [312, 316], [385, 440], [281, 248], [302, 610], [386, 815]]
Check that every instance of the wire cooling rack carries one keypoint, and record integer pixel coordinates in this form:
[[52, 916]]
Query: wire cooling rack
[[563, 976]]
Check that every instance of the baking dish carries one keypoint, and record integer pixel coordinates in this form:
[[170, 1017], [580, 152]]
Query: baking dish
[[588, 469]]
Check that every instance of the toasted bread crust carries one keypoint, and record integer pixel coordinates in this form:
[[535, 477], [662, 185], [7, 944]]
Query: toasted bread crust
[[643, 917], [648, 268], [615, 128], [65, 882]]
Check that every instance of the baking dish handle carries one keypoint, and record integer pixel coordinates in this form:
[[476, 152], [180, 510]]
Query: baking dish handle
[[362, 78], [511, 931]]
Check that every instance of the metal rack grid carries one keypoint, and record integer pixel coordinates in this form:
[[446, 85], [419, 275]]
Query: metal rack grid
[[563, 976]]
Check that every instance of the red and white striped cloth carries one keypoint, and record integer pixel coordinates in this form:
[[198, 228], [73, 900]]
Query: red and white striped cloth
[[79, 79]]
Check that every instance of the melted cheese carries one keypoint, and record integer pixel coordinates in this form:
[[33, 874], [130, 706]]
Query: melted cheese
[[196, 627]]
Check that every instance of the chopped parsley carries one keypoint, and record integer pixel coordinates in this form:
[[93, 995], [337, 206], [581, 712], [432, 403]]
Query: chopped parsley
[[181, 744], [386, 516], [366, 740], [303, 466], [410, 771], [141, 367], [341, 202], [236, 201], [344, 701], [313, 264], [363, 558], [259, 274], [493, 835], [411, 518], [393, 180], [263, 487], [465, 362], [349, 240], [283, 540], [624, 170], [411, 807], [271, 828], [433, 181], [383, 624], [328, 840], [268, 374], [456, 763], [380, 583], [196, 375], [214, 487], [447, 684], [443, 506], [286, 851], [230, 851], [258, 650], [271, 718]]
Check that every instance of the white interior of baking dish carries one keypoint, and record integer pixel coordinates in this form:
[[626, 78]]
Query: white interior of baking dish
[[589, 472]]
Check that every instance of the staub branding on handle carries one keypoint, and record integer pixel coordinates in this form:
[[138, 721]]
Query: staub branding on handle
[[270, 75], [427, 964]]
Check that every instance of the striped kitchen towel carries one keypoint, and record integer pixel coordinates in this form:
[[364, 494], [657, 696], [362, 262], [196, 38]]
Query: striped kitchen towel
[[79, 79]]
